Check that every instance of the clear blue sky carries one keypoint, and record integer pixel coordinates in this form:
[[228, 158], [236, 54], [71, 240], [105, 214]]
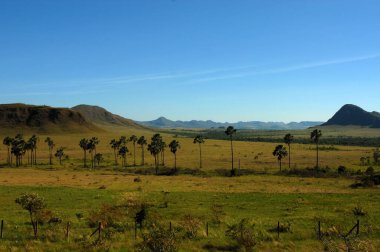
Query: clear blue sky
[[222, 60]]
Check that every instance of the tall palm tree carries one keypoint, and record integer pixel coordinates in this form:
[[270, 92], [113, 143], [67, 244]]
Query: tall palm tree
[[315, 135], [174, 146], [123, 153], [199, 140], [59, 154], [288, 139], [280, 152], [155, 148], [162, 150], [115, 146], [230, 131], [8, 142], [91, 146], [18, 148], [51, 145], [142, 141], [34, 140], [134, 139], [83, 143]]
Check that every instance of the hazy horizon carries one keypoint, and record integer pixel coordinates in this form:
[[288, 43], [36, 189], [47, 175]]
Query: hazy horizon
[[193, 60]]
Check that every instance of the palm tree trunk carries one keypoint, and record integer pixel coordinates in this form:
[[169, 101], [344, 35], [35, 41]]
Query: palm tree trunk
[[200, 156], [175, 161], [289, 156], [317, 157], [134, 154], [155, 163], [142, 155], [114, 151], [232, 157], [280, 165], [84, 160]]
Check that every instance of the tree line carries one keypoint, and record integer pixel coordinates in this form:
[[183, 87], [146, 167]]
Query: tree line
[[18, 148]]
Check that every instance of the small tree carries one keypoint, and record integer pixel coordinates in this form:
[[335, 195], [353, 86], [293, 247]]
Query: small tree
[[98, 158], [59, 154], [142, 142], [315, 135], [230, 131], [174, 146], [199, 140], [33, 203], [280, 152], [51, 145]]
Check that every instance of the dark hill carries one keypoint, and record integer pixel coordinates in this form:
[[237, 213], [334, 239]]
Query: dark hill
[[42, 119], [353, 115], [101, 116]]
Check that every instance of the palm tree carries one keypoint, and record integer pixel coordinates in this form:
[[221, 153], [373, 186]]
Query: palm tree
[[51, 145], [83, 143], [199, 140], [18, 148], [91, 146], [162, 150], [288, 139], [98, 158], [280, 152], [174, 146], [155, 148], [142, 141], [34, 140], [315, 135], [8, 142], [123, 153], [115, 145], [59, 154], [134, 139], [229, 132]]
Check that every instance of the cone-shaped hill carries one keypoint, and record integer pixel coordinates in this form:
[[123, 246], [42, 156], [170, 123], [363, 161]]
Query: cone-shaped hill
[[353, 115]]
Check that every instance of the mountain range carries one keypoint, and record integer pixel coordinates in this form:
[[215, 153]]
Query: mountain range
[[83, 118], [163, 122]]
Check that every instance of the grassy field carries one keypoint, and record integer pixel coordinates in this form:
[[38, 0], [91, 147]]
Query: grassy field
[[77, 194]]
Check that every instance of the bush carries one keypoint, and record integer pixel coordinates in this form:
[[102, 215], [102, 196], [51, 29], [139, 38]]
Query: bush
[[370, 171], [191, 225], [159, 239], [244, 234], [107, 215], [217, 213], [342, 170], [358, 211]]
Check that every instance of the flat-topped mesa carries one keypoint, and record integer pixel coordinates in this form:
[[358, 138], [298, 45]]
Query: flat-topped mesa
[[23, 117]]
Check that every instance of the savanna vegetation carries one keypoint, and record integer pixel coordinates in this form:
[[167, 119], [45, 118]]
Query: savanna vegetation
[[192, 194]]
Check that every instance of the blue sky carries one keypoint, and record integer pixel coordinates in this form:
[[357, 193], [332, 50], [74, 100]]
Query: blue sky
[[193, 59]]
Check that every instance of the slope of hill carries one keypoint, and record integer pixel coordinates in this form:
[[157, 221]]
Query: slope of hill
[[101, 116], [353, 115], [163, 122], [42, 119]]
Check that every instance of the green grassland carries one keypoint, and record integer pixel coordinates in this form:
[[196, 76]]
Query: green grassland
[[265, 196]]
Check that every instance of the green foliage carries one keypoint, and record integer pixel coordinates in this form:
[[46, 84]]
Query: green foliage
[[31, 202], [159, 239], [376, 156], [244, 234], [190, 225]]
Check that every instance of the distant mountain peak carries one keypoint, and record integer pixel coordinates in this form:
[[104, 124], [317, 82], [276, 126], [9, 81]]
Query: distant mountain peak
[[351, 114]]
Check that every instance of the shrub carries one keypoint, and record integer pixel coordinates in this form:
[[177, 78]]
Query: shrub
[[342, 169], [159, 239], [370, 171], [244, 234], [217, 213], [358, 211], [191, 225], [107, 215]]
